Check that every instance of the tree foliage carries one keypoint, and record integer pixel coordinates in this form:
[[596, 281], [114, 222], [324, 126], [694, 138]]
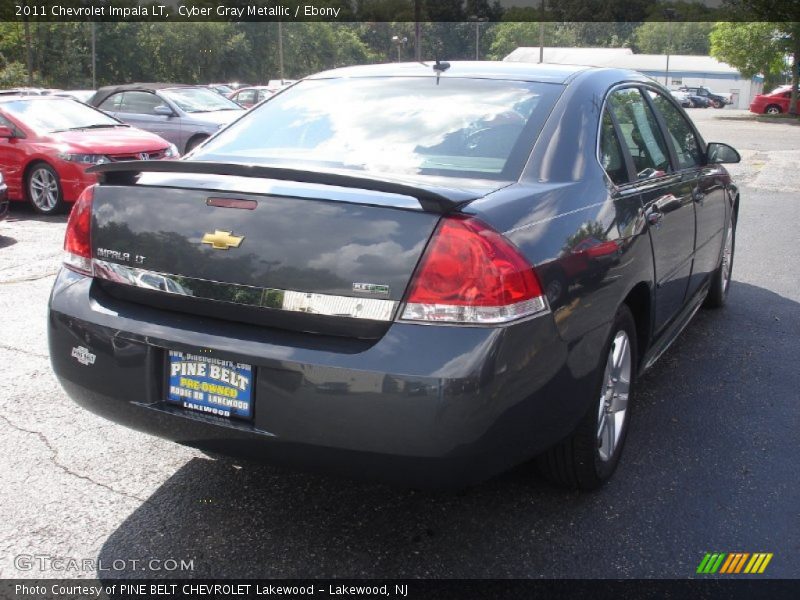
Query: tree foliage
[[753, 48], [658, 37]]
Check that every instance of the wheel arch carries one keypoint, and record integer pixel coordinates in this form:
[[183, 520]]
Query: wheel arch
[[640, 302], [194, 140]]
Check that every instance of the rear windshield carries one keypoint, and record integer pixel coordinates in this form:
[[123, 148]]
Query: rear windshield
[[406, 125]]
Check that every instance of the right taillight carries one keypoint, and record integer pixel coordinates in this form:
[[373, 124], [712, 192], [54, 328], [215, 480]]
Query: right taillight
[[472, 274], [78, 239]]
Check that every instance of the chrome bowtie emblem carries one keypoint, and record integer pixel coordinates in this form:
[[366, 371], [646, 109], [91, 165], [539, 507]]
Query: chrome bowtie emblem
[[222, 240]]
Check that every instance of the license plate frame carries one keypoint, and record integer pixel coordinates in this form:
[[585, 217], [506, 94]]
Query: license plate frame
[[209, 385]]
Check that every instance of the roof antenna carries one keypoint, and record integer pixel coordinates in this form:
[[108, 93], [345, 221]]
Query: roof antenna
[[440, 67]]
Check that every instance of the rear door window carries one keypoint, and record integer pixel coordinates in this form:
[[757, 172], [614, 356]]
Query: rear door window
[[143, 103], [112, 103], [640, 133]]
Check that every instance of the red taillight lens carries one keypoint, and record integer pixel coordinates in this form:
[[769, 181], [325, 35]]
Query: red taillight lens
[[472, 274], [78, 239]]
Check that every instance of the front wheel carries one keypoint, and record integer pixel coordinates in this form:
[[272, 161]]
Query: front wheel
[[589, 456], [772, 109], [44, 189], [721, 282]]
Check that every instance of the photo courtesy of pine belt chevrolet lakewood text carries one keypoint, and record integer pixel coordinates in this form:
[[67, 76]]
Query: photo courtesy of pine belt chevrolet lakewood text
[[423, 273]]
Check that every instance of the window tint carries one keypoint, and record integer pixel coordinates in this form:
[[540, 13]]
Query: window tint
[[140, 102], [611, 156], [640, 133], [111, 103], [687, 147]]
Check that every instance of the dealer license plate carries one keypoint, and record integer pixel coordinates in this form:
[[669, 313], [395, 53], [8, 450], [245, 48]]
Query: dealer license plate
[[210, 385]]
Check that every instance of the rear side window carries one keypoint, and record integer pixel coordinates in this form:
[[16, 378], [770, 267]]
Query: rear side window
[[111, 103], [687, 147], [640, 133], [140, 102], [611, 156]]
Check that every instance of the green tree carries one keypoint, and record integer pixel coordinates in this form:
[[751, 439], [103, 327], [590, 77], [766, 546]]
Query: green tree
[[753, 48], [783, 14], [657, 37]]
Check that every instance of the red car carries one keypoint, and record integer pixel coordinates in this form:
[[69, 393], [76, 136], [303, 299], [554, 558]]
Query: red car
[[774, 103], [48, 142]]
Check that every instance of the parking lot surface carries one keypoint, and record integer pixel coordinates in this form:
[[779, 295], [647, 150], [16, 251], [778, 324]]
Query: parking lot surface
[[710, 463]]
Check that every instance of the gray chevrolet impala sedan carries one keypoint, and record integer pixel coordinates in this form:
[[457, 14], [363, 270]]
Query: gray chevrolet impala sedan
[[425, 273]]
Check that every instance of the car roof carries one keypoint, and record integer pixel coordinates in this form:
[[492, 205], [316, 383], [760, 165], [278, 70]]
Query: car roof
[[548, 73], [104, 92], [33, 98]]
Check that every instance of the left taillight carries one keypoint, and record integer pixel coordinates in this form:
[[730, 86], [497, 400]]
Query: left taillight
[[78, 239], [470, 274]]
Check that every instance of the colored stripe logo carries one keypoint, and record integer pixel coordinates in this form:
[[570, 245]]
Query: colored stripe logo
[[730, 563]]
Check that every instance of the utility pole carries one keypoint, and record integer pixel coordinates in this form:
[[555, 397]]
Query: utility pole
[[28, 51], [417, 31], [670, 14], [478, 20], [94, 55], [280, 50], [541, 32]]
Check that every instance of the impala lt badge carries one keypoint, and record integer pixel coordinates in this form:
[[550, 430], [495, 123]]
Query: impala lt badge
[[222, 240]]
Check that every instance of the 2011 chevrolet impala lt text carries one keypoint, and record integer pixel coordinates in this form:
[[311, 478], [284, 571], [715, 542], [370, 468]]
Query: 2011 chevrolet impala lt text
[[425, 273]]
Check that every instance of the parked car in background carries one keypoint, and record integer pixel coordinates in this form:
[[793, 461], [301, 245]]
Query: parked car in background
[[48, 142], [716, 99], [280, 83], [221, 88], [369, 294], [774, 103], [29, 91], [3, 197], [79, 95], [183, 115], [250, 96]]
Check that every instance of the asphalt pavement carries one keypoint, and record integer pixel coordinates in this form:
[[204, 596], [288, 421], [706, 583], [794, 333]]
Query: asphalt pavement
[[711, 464]]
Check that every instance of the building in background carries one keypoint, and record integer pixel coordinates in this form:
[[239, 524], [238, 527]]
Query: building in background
[[683, 69]]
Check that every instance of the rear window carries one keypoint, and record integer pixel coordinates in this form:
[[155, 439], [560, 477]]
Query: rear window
[[405, 125]]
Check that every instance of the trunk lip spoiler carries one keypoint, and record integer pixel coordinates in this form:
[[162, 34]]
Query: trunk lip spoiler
[[432, 199]]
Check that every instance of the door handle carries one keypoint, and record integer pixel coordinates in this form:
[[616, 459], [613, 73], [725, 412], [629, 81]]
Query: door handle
[[698, 196], [654, 216]]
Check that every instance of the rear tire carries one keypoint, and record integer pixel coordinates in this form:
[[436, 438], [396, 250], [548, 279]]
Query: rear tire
[[772, 109], [721, 281], [588, 457]]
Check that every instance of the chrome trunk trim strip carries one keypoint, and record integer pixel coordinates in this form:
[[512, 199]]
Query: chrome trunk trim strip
[[374, 309]]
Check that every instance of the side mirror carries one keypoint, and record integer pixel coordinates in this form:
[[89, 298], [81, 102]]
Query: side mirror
[[6, 132], [721, 153], [164, 110]]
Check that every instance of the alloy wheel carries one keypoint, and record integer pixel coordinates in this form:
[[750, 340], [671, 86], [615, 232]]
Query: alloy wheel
[[614, 399], [43, 188], [727, 257]]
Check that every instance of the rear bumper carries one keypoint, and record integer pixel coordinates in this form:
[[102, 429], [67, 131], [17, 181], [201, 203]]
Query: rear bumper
[[424, 405]]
